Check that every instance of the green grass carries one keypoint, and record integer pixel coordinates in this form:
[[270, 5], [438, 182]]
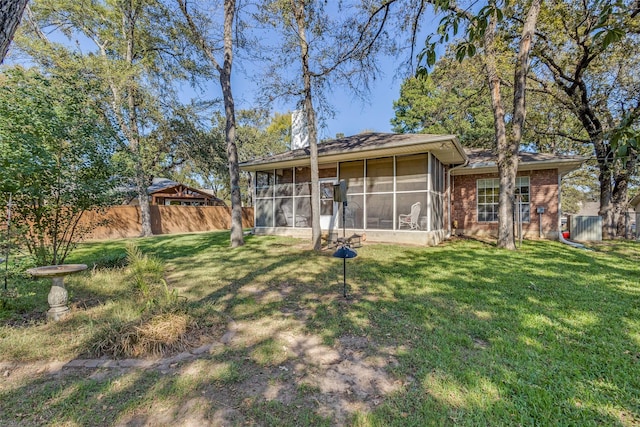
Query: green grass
[[471, 334]]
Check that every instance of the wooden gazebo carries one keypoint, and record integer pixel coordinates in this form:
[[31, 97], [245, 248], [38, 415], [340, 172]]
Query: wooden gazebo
[[177, 194]]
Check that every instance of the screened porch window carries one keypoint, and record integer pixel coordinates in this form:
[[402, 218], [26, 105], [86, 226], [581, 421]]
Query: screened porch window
[[412, 187], [302, 196], [264, 199], [379, 194], [283, 197], [353, 174]]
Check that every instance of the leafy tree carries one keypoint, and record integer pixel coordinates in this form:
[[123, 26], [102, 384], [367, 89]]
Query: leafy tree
[[200, 151], [279, 130], [55, 155], [11, 12], [586, 63], [329, 52], [132, 57], [199, 25], [452, 99], [482, 32]]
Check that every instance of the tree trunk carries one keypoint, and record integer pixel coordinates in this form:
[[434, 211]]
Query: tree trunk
[[604, 157], [620, 196], [134, 131], [298, 8], [143, 200], [237, 238], [11, 12], [508, 147], [224, 73], [507, 162]]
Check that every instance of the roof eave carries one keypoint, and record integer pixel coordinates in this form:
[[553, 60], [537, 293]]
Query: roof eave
[[563, 165], [433, 144]]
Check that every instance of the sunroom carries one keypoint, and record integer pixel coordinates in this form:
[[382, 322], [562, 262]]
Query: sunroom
[[397, 187]]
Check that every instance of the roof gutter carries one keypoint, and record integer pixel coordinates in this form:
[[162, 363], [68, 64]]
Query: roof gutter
[[466, 162]]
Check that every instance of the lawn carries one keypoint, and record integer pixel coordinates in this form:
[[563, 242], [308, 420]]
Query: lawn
[[462, 334]]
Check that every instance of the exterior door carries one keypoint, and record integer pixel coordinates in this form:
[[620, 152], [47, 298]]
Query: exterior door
[[328, 208]]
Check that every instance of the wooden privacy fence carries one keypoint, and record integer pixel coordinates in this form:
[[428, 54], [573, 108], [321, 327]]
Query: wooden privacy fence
[[124, 221]]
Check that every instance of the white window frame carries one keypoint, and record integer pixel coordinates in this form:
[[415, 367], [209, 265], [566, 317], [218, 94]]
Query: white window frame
[[521, 182]]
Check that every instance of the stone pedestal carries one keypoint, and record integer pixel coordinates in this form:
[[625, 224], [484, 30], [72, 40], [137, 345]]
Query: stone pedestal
[[58, 299], [58, 296]]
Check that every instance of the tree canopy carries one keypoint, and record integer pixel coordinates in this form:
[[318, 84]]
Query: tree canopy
[[56, 158], [452, 99]]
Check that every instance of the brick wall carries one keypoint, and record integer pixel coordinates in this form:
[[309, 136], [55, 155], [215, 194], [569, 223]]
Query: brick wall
[[543, 193]]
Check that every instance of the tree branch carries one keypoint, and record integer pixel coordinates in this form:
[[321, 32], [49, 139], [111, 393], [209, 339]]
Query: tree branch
[[206, 48], [356, 51], [563, 135]]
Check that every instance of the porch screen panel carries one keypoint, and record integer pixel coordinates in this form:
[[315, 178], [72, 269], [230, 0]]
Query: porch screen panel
[[380, 211], [283, 197], [353, 174], [284, 212], [264, 199], [354, 215], [303, 181], [411, 188], [437, 211], [404, 201], [411, 173], [284, 182], [302, 196], [327, 171], [264, 184], [436, 195], [303, 208], [264, 212], [380, 175]]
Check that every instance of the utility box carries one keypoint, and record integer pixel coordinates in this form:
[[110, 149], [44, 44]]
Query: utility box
[[340, 192], [585, 228]]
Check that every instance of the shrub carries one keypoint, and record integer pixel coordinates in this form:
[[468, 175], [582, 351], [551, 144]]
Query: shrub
[[147, 276]]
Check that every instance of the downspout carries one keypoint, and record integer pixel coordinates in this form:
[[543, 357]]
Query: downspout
[[560, 236], [466, 162]]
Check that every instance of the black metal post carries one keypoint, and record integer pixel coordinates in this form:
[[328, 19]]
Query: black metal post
[[344, 226], [344, 260], [344, 250], [344, 277]]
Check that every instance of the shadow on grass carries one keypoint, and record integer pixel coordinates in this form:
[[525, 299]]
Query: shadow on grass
[[542, 335], [473, 335]]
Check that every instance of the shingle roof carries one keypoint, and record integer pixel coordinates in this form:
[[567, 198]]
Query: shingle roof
[[482, 157], [445, 147], [482, 160], [363, 143]]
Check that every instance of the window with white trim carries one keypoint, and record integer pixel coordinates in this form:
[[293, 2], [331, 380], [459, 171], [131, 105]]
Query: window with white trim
[[489, 192]]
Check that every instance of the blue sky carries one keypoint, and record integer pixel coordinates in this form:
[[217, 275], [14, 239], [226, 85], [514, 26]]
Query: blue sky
[[352, 115]]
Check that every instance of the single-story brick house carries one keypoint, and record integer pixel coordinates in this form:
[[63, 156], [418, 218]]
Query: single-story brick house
[[411, 188]]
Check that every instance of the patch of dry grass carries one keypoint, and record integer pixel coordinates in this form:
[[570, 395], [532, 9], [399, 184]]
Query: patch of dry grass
[[154, 337]]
